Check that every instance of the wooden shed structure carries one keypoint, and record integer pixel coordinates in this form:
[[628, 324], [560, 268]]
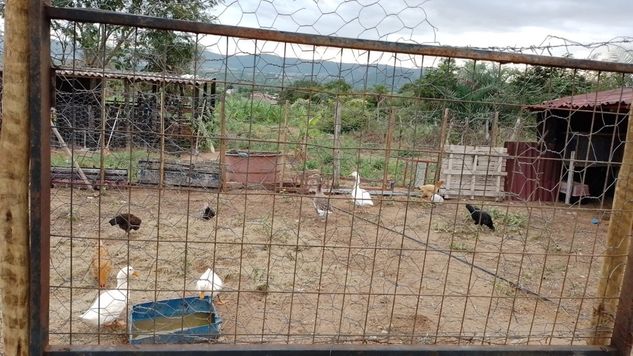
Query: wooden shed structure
[[585, 133], [131, 105]]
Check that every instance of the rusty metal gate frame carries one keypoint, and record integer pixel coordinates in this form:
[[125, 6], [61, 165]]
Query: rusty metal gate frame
[[40, 87]]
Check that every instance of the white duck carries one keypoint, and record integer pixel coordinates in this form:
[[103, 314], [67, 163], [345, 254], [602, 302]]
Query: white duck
[[108, 306], [210, 283], [360, 196]]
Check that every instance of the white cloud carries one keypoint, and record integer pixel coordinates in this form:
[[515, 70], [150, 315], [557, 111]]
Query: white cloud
[[490, 23]]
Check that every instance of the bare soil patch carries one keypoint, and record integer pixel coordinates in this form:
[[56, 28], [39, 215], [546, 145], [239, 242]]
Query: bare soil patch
[[386, 274]]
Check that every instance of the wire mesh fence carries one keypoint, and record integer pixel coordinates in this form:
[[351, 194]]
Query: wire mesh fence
[[218, 148]]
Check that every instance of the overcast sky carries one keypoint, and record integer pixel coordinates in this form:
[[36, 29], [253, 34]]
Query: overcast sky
[[484, 23]]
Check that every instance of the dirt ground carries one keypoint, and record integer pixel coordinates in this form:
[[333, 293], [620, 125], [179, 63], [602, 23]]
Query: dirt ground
[[395, 273]]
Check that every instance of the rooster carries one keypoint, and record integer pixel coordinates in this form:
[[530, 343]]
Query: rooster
[[480, 217]]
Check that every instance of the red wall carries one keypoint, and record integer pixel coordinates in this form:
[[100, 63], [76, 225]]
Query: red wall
[[533, 173]]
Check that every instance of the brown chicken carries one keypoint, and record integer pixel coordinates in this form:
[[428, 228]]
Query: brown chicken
[[126, 222], [428, 190], [101, 265]]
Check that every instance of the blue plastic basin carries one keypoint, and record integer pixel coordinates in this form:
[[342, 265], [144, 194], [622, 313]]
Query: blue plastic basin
[[174, 321]]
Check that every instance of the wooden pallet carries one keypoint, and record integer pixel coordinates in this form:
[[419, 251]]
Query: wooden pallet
[[474, 171], [68, 176], [200, 175]]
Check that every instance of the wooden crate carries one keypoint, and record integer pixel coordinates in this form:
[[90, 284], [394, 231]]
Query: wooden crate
[[474, 171], [200, 175]]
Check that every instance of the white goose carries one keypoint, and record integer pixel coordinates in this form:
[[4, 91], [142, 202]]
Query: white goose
[[108, 306], [360, 196], [209, 283]]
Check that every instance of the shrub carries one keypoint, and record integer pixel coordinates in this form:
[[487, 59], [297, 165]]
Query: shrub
[[354, 116]]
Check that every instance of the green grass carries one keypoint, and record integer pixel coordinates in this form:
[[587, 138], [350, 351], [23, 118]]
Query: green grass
[[513, 221], [123, 159], [458, 246]]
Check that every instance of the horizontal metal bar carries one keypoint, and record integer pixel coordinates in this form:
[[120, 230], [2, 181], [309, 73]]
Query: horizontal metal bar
[[117, 18], [326, 349]]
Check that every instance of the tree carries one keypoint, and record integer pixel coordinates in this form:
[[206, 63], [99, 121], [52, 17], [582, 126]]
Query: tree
[[337, 86], [612, 80], [377, 95], [440, 82], [131, 48], [301, 89], [537, 84]]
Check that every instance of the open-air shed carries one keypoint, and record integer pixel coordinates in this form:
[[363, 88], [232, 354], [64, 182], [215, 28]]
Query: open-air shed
[[580, 142], [130, 102]]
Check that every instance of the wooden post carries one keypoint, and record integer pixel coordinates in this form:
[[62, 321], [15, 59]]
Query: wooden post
[[570, 177], [615, 266], [128, 111], [284, 139], [116, 119], [223, 184], [515, 130], [14, 179], [161, 113], [494, 130], [104, 118], [388, 139], [443, 140], [473, 172], [304, 155], [70, 156], [337, 144]]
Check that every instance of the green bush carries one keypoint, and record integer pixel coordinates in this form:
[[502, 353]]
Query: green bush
[[355, 115]]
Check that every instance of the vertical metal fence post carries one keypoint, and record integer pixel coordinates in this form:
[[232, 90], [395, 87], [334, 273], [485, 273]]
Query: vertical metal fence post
[[337, 142], [40, 96]]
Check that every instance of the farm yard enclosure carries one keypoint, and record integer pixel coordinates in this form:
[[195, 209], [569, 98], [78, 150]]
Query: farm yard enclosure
[[157, 132], [402, 274]]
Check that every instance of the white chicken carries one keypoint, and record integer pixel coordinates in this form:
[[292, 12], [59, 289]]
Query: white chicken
[[436, 198], [360, 196], [209, 283], [109, 305]]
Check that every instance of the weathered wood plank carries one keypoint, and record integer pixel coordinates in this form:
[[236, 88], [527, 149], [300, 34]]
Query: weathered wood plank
[[177, 174], [68, 175], [474, 170], [476, 173]]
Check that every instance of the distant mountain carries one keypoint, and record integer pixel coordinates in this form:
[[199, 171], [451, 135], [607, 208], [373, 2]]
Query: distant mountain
[[269, 69]]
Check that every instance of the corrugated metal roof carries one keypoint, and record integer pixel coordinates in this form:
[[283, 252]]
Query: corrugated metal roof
[[614, 97], [132, 76]]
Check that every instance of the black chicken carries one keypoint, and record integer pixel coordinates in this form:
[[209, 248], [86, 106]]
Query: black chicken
[[126, 222], [480, 217], [208, 212]]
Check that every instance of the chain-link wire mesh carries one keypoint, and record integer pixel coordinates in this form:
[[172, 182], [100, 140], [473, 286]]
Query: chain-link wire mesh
[[169, 123]]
